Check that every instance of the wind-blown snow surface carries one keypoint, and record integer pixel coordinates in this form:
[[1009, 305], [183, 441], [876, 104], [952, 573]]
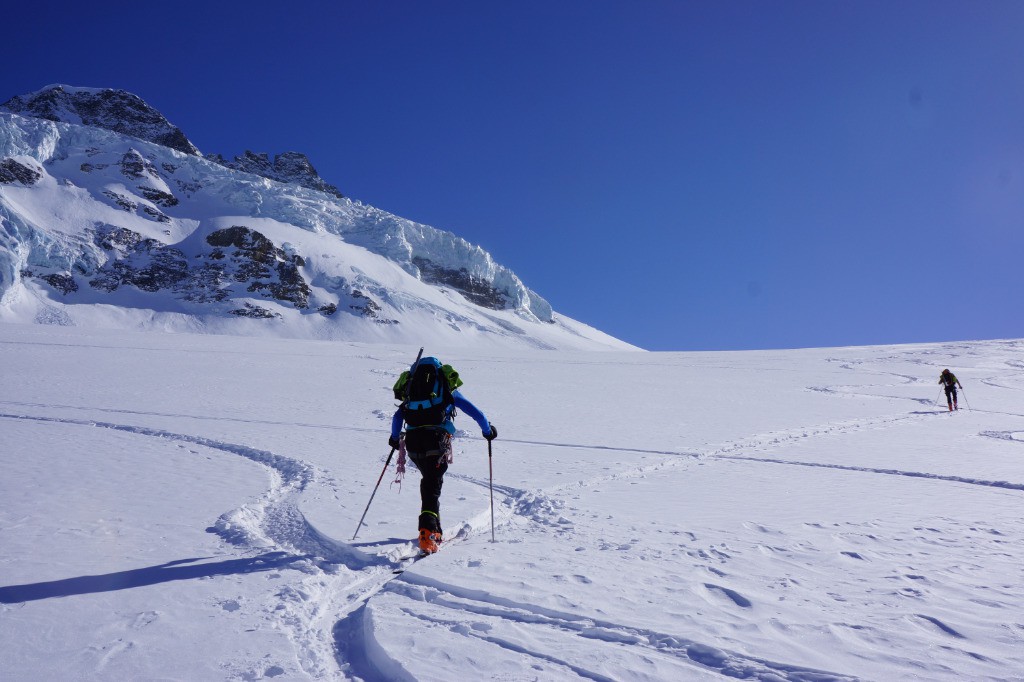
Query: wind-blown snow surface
[[182, 507]]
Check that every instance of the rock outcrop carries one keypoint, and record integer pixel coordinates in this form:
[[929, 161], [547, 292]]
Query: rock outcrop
[[289, 167]]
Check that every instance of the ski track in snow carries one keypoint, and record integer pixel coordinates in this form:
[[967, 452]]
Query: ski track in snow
[[544, 509], [325, 613], [641, 642], [891, 472], [779, 439], [198, 417], [338, 571], [293, 473]]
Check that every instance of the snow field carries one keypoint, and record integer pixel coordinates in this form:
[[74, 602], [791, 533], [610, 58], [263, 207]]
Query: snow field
[[183, 507]]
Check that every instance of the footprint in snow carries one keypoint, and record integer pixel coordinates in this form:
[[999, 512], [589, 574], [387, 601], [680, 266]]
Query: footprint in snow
[[143, 619]]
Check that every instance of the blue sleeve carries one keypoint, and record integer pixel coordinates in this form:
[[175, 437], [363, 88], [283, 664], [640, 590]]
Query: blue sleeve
[[471, 409], [396, 424]]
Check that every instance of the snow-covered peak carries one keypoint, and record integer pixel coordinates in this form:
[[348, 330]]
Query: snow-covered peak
[[70, 89], [99, 228], [115, 110]]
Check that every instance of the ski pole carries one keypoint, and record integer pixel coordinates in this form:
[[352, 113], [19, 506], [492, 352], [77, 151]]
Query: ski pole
[[490, 466], [374, 493], [392, 454], [966, 402], [938, 397]]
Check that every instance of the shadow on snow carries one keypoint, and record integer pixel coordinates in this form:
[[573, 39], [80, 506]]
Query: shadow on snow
[[183, 569]]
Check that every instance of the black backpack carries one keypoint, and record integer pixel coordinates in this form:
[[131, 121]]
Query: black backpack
[[426, 393]]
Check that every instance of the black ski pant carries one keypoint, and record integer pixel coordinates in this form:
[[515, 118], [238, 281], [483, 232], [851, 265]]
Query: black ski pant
[[432, 466], [951, 395]]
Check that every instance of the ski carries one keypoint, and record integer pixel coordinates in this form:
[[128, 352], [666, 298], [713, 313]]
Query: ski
[[407, 561]]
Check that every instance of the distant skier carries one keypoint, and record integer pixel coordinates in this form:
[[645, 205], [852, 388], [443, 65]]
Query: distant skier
[[949, 383], [429, 395]]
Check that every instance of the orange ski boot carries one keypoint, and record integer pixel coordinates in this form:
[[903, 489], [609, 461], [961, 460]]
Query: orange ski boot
[[428, 541]]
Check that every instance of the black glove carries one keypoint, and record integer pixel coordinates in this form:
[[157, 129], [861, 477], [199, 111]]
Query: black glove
[[393, 442], [493, 434]]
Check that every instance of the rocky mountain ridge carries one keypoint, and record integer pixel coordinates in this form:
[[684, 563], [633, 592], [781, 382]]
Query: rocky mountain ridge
[[99, 227], [289, 167], [115, 110], [126, 113]]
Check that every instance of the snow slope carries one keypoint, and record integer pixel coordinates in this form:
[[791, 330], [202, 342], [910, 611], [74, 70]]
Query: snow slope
[[181, 506]]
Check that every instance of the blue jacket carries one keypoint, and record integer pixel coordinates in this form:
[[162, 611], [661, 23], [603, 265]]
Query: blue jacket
[[460, 402]]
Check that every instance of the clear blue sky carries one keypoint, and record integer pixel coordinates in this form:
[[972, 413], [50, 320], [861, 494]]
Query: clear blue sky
[[682, 175]]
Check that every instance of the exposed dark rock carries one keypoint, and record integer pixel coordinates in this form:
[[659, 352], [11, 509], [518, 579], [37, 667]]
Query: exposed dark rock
[[290, 285], [289, 167], [62, 282], [251, 271], [112, 276], [253, 264], [133, 165], [167, 269], [327, 309], [207, 283], [146, 264], [121, 239], [476, 289], [12, 171], [158, 197], [155, 214], [254, 311], [257, 247], [116, 110], [188, 188], [369, 308], [121, 200]]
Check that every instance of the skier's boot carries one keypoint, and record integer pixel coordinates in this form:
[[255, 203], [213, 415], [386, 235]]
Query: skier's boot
[[428, 541]]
